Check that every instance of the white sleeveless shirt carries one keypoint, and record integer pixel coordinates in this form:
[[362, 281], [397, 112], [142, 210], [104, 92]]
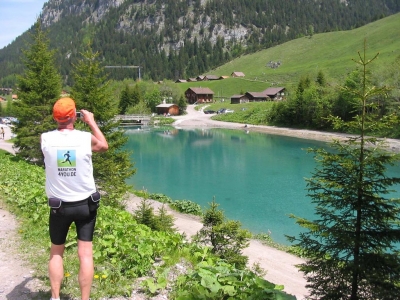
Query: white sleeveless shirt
[[68, 164]]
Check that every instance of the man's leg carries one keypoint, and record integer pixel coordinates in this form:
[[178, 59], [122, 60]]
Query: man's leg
[[56, 269], [86, 271]]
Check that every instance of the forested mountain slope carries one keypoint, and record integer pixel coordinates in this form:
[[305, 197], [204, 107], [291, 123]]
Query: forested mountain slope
[[173, 39]]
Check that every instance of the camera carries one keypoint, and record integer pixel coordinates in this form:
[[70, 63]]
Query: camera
[[79, 115]]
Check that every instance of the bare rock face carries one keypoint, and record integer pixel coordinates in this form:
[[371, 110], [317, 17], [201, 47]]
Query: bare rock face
[[95, 11]]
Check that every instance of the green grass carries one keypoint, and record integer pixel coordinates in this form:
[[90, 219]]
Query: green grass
[[330, 52]]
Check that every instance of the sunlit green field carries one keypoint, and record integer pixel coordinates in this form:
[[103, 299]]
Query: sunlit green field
[[330, 52]]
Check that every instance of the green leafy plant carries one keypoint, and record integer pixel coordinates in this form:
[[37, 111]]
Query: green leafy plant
[[220, 280], [187, 207]]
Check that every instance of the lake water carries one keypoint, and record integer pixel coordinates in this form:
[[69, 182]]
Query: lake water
[[256, 178]]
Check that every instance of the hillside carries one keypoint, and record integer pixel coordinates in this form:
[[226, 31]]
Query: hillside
[[330, 52], [173, 39]]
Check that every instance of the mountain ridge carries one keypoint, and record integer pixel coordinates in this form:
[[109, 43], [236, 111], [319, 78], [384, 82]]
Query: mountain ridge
[[174, 39]]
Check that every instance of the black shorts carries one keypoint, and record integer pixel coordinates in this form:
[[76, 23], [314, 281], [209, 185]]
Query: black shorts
[[62, 218]]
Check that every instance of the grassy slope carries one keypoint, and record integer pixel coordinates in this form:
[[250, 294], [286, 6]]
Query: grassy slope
[[330, 52]]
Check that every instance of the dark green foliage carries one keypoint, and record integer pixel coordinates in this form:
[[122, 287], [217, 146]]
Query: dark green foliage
[[226, 237], [352, 245], [164, 221], [346, 106], [91, 92], [309, 107], [39, 87], [125, 99], [145, 215], [321, 80]]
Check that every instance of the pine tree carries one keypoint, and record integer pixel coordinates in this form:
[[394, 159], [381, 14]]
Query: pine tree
[[125, 100], [226, 237], [38, 89], [352, 245], [91, 92]]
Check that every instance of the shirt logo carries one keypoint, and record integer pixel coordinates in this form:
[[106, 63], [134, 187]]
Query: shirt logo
[[66, 158]]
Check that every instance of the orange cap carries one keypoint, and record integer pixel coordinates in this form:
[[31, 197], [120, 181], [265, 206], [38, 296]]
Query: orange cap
[[64, 109]]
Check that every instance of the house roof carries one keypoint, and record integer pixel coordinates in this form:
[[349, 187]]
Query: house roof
[[166, 105], [192, 79], [237, 96], [201, 91], [212, 77], [239, 74], [273, 91], [181, 80], [257, 94]]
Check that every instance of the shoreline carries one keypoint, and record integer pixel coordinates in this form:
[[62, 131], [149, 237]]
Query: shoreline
[[197, 119]]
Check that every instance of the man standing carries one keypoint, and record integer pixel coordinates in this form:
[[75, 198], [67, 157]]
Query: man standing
[[71, 190]]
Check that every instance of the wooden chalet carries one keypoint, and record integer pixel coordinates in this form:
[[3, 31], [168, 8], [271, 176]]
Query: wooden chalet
[[199, 95], [275, 93], [236, 99], [167, 108], [200, 77], [180, 81], [191, 79], [211, 77], [256, 96], [237, 74]]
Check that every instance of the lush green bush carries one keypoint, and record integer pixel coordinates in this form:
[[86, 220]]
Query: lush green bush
[[183, 206], [187, 207], [220, 280]]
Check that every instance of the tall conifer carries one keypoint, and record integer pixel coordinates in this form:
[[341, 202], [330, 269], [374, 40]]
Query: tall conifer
[[352, 245], [91, 92], [38, 88]]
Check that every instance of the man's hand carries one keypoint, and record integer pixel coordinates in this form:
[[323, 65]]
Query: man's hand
[[99, 142]]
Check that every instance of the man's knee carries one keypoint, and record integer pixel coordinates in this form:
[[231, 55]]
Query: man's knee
[[57, 250], [85, 249]]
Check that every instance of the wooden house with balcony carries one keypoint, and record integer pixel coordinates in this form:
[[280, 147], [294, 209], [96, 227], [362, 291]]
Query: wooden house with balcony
[[275, 93], [236, 99], [199, 95], [256, 96]]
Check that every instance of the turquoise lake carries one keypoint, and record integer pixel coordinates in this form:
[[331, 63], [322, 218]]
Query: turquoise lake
[[257, 178]]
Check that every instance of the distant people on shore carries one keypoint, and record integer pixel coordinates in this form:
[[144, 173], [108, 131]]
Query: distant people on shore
[[2, 133]]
